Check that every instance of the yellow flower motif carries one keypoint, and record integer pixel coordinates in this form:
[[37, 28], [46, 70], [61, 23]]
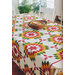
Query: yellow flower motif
[[34, 49], [53, 28], [31, 34], [13, 30], [59, 54], [14, 21], [15, 50], [56, 39], [14, 16], [24, 25], [29, 18]]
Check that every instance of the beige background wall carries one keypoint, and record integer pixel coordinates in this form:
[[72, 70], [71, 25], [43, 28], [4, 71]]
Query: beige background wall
[[58, 8]]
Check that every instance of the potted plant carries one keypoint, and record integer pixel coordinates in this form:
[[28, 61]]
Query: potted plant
[[24, 7]]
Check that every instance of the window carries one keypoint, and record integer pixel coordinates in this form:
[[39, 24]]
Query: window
[[50, 3], [20, 1]]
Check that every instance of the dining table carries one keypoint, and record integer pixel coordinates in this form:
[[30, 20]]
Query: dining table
[[37, 52]]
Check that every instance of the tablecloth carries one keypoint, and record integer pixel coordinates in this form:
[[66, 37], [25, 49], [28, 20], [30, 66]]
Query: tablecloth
[[35, 51]]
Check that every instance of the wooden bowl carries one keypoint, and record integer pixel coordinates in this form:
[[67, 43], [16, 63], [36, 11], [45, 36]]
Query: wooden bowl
[[37, 24]]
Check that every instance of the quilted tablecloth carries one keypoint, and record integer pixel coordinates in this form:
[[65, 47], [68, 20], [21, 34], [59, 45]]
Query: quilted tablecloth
[[35, 51]]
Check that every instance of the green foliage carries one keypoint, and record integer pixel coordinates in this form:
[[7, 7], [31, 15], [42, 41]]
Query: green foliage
[[24, 9], [35, 7]]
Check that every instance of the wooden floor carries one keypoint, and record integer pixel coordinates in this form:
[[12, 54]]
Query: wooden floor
[[16, 70]]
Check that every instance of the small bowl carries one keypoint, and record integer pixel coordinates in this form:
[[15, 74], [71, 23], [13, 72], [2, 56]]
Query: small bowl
[[37, 24]]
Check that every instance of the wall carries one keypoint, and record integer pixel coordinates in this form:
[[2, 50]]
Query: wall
[[14, 7], [58, 8]]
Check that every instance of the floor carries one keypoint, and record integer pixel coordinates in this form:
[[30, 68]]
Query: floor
[[16, 70]]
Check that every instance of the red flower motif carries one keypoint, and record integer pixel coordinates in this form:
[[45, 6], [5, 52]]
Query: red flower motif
[[46, 57], [31, 48], [15, 34], [58, 39], [29, 18], [54, 28], [31, 34], [19, 41], [15, 50], [23, 41], [48, 33], [55, 46], [42, 40]]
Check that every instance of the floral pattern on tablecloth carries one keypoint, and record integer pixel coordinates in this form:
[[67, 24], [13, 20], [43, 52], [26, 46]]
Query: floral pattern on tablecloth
[[29, 18], [16, 51], [56, 39], [14, 21], [14, 30], [59, 54], [25, 25], [45, 68], [28, 71], [53, 28], [35, 51], [30, 34]]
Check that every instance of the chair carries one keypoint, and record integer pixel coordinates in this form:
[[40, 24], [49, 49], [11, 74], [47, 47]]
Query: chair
[[58, 20]]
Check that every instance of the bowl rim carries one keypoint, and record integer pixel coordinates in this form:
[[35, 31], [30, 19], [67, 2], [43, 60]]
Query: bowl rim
[[41, 21]]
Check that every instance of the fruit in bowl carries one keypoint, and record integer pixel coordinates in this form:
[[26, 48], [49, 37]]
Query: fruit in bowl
[[37, 24]]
